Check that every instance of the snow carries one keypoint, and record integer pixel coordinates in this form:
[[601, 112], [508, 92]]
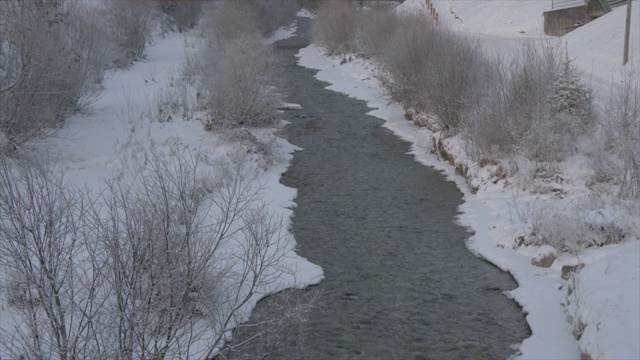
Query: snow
[[502, 24], [598, 46], [493, 18], [306, 14], [290, 106], [91, 146], [282, 33], [603, 297], [603, 308]]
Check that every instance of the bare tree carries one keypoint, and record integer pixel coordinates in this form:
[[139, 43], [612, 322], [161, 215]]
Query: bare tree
[[375, 29], [164, 264], [227, 20], [240, 84], [188, 260], [53, 284]]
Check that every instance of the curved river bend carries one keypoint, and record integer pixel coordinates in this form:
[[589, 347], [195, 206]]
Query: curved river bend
[[400, 283]]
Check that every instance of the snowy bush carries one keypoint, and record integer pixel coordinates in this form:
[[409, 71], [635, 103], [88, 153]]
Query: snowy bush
[[272, 14], [403, 60], [533, 105], [561, 231], [238, 69], [185, 14], [334, 27], [622, 133], [131, 24], [52, 59], [575, 229], [239, 84], [375, 28], [433, 70], [228, 20]]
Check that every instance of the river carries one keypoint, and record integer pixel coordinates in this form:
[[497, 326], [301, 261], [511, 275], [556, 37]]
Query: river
[[400, 283]]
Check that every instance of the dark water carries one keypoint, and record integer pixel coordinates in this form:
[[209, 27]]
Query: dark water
[[400, 283]]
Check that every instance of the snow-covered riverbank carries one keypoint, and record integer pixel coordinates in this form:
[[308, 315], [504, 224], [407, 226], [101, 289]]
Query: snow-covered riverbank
[[148, 113]]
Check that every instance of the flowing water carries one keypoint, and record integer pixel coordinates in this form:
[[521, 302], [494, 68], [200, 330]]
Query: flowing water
[[400, 283]]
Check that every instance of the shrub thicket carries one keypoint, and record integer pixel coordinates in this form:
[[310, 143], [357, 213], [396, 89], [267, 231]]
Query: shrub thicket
[[532, 104], [240, 83], [238, 74], [374, 30], [535, 106], [335, 26], [185, 14], [622, 134], [433, 70], [52, 56], [130, 25], [273, 14]]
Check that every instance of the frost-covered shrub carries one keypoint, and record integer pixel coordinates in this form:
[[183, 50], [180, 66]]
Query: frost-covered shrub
[[185, 14], [238, 84], [433, 70], [576, 228], [226, 20], [237, 69], [334, 26], [533, 105], [230, 18], [622, 133], [141, 271], [404, 59], [52, 59], [272, 14], [375, 28], [131, 24]]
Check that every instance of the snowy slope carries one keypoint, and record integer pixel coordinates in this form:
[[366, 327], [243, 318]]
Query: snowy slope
[[596, 46], [501, 18]]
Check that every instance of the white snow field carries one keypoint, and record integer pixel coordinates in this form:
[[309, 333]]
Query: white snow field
[[600, 304]]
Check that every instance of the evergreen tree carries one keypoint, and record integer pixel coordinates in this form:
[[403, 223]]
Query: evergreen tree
[[568, 95]]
